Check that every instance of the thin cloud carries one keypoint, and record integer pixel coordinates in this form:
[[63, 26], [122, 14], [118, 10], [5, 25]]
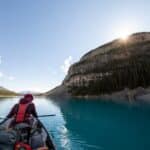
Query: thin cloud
[[11, 78], [1, 74], [66, 64]]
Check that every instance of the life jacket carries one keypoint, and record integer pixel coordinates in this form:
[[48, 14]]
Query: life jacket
[[21, 114], [22, 146]]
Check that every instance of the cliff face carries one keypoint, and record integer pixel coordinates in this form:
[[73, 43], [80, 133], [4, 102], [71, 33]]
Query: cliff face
[[112, 67], [117, 70]]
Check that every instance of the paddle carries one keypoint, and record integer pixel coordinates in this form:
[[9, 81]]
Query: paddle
[[40, 116], [47, 115]]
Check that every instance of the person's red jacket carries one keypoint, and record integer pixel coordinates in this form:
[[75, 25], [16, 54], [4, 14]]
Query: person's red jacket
[[30, 110]]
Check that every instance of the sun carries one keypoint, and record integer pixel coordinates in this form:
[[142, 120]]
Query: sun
[[124, 36], [125, 33]]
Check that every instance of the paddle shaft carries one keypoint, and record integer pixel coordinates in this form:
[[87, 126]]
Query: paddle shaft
[[40, 116], [46, 115]]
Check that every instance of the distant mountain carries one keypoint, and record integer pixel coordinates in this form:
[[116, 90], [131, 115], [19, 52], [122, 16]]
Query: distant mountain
[[119, 68], [59, 91], [6, 92], [30, 92]]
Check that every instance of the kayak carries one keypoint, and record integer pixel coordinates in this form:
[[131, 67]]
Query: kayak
[[25, 136]]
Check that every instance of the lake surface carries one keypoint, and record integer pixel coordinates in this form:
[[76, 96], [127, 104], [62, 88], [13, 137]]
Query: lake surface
[[92, 125]]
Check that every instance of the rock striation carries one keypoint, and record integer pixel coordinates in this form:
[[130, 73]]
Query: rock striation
[[113, 67]]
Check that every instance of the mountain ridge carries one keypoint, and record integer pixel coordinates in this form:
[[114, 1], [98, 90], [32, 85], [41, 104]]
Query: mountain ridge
[[120, 65], [7, 93]]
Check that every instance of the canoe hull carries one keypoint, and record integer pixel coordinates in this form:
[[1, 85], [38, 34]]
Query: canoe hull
[[39, 131]]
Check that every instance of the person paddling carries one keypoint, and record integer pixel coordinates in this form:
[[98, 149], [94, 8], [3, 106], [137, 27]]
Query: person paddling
[[23, 110]]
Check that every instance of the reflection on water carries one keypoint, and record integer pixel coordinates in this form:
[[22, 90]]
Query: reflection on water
[[92, 125], [106, 126], [56, 124]]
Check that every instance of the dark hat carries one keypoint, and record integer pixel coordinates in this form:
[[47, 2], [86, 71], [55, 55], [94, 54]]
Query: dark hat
[[28, 97]]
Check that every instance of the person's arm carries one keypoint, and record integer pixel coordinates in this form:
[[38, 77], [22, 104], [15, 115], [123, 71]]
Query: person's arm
[[34, 113], [12, 111]]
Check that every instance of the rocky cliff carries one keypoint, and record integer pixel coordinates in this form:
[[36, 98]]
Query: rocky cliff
[[116, 66]]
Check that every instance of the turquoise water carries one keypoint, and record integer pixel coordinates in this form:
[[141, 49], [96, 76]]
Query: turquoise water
[[93, 125]]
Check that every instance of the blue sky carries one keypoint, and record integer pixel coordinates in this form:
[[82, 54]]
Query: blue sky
[[39, 39]]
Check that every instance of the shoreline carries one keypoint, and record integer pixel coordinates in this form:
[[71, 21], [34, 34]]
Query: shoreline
[[12, 96], [126, 95], [6, 96]]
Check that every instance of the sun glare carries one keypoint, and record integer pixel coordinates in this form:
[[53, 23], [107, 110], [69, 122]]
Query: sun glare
[[125, 34]]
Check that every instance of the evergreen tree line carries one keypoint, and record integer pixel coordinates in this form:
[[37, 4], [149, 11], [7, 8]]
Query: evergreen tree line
[[130, 73]]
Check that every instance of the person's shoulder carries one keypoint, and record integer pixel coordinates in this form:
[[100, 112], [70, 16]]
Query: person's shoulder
[[16, 105], [31, 104]]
